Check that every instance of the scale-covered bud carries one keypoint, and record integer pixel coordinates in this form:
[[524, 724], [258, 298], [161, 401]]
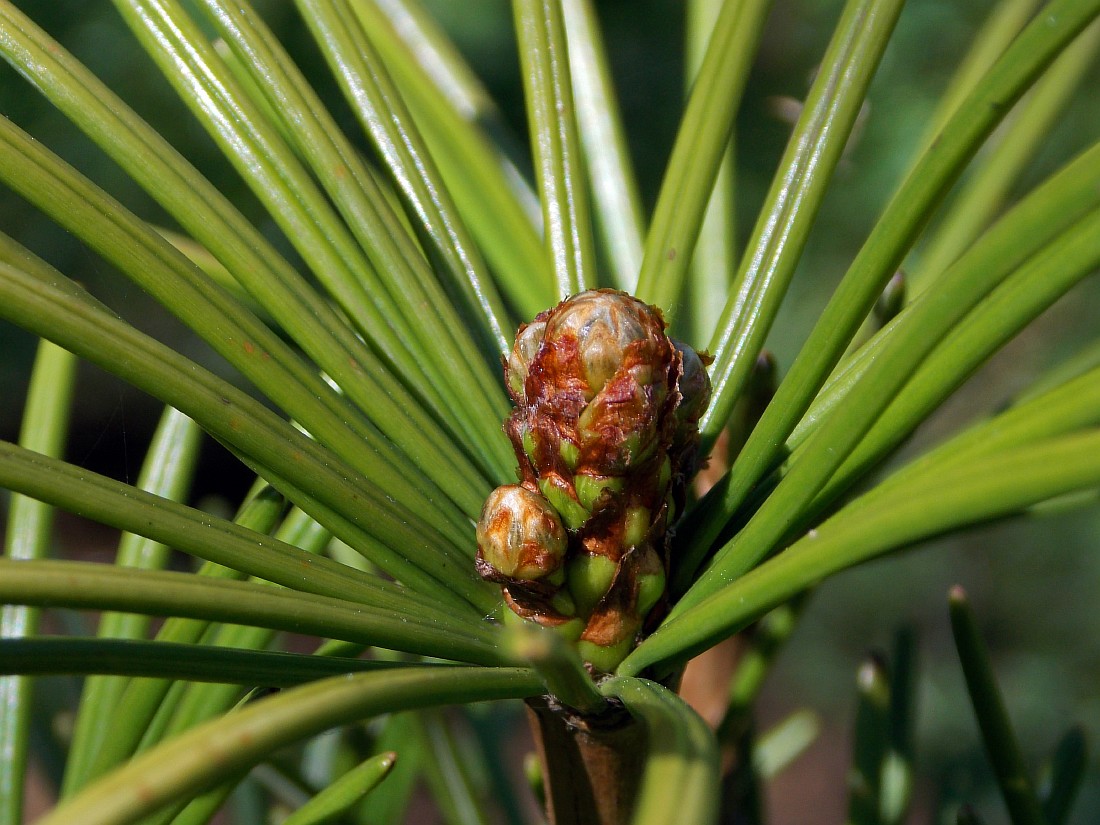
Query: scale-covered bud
[[605, 428], [519, 535]]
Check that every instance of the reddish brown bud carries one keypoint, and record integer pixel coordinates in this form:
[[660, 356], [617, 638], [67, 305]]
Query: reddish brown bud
[[605, 427], [519, 535]]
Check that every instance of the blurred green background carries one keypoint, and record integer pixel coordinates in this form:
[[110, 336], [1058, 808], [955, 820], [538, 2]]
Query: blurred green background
[[1035, 583]]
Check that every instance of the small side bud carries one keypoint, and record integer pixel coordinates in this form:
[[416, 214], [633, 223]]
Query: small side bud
[[589, 579], [519, 535], [560, 494], [528, 340], [694, 385], [636, 526], [589, 488]]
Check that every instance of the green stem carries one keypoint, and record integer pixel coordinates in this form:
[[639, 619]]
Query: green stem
[[714, 262], [448, 774], [383, 115], [859, 433], [872, 741], [143, 701], [557, 662], [61, 310], [796, 195], [1061, 778], [314, 324], [680, 780], [439, 336], [202, 535], [1024, 133]]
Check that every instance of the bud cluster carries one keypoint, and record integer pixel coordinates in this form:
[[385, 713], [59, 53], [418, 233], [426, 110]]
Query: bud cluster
[[605, 430]]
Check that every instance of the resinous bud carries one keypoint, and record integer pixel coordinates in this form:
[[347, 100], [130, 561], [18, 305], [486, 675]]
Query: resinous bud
[[519, 535], [605, 432]]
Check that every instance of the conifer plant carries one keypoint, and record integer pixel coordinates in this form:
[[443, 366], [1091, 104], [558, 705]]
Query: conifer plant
[[475, 399]]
